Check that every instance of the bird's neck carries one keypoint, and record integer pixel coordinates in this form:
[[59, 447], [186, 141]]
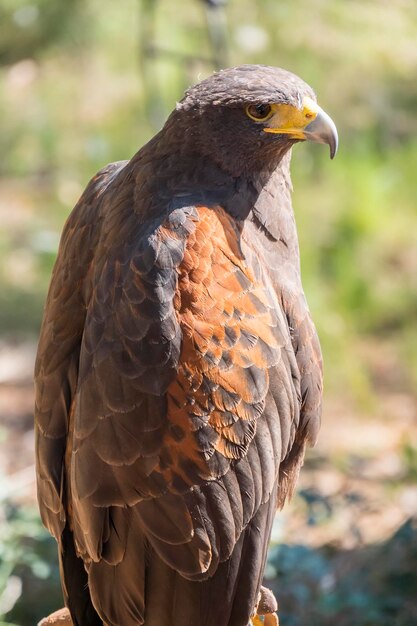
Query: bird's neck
[[260, 203], [183, 177]]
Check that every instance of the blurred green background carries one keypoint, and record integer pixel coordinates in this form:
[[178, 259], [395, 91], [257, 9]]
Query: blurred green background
[[83, 83]]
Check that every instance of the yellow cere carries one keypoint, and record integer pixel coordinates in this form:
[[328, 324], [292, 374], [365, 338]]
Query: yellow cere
[[290, 120]]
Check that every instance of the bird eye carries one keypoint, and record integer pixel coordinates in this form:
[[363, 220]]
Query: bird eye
[[259, 112]]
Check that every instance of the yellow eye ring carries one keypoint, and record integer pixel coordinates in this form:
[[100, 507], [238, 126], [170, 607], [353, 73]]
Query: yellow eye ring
[[259, 112]]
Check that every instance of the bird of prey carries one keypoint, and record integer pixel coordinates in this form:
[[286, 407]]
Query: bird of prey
[[179, 375]]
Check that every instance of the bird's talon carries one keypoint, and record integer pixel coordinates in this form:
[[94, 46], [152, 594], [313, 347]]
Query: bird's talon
[[270, 619], [265, 612], [59, 618]]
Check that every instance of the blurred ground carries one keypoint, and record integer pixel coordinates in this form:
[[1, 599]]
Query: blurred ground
[[76, 93]]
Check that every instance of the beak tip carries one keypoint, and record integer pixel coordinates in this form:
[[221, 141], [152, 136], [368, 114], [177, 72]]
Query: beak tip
[[333, 145]]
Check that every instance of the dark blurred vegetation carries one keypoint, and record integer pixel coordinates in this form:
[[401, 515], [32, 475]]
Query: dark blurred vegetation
[[322, 585], [82, 85]]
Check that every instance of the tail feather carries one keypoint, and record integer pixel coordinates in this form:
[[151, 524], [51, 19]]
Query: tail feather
[[75, 584], [252, 564], [228, 598], [118, 590]]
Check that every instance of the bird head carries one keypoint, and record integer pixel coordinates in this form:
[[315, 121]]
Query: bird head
[[247, 118]]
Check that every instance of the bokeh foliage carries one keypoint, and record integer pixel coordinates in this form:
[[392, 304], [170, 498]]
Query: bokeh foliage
[[78, 90], [326, 586]]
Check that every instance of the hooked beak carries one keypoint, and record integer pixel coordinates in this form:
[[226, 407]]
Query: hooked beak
[[323, 130], [310, 123]]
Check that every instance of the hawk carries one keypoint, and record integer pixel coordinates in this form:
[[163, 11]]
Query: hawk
[[179, 374]]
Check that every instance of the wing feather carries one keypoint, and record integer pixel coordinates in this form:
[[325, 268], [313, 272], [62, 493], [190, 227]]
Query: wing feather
[[56, 369]]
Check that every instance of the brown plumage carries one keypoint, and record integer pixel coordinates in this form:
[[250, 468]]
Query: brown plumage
[[179, 373]]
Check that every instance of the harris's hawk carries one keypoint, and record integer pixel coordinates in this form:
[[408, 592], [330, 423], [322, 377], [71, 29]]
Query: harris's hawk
[[179, 374]]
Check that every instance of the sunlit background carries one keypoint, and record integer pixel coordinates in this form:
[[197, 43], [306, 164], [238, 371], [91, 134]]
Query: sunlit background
[[85, 82]]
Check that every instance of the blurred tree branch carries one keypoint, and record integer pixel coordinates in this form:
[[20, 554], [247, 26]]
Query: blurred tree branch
[[150, 51]]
